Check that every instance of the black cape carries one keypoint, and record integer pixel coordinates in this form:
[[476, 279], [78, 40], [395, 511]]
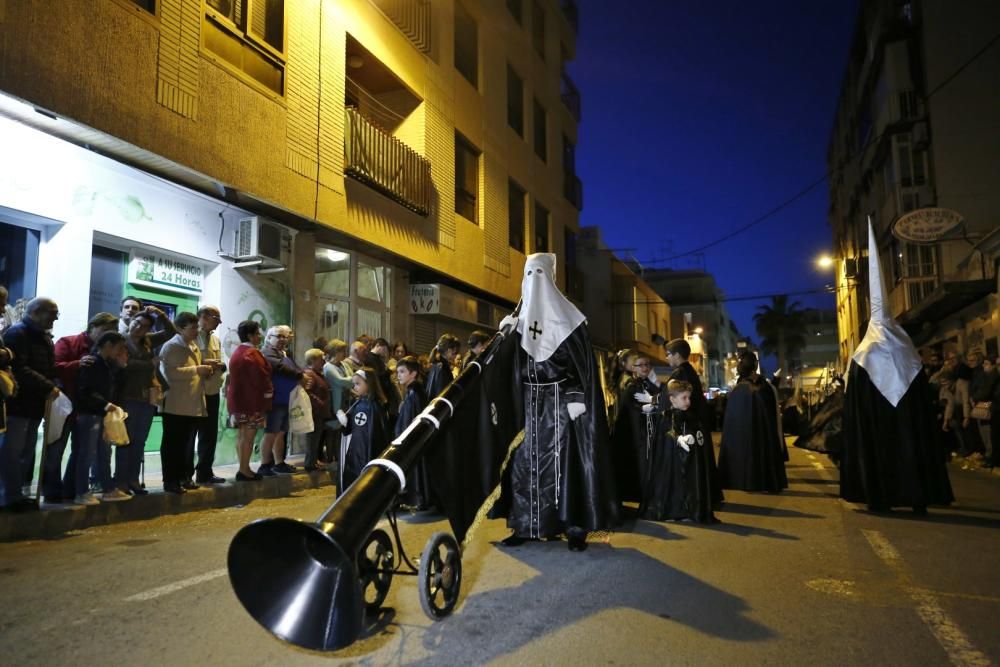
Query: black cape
[[632, 439], [752, 457], [679, 486], [699, 409], [824, 433], [366, 435], [417, 492], [892, 456]]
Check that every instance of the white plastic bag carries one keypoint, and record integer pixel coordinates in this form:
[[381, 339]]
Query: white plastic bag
[[115, 432], [59, 410], [300, 412]]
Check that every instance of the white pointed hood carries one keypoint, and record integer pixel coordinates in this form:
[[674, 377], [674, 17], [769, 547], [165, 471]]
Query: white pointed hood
[[886, 352], [547, 317]]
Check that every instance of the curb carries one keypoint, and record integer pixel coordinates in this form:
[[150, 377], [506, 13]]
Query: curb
[[55, 523]]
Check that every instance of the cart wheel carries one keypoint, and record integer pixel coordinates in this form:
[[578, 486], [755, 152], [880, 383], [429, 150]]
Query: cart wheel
[[376, 562], [440, 576]]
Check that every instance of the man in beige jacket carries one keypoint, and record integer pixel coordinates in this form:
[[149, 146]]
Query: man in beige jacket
[[209, 318]]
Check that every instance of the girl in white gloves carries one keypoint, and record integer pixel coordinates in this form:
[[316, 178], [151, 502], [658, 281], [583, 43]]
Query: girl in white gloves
[[366, 433]]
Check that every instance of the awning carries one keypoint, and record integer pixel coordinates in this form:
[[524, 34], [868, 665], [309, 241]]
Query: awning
[[946, 299]]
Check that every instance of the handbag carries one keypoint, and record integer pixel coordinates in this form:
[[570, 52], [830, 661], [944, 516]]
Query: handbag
[[115, 432], [300, 419], [982, 410]]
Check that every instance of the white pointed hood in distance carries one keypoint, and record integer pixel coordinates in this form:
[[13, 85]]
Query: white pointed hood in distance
[[886, 352], [547, 317]]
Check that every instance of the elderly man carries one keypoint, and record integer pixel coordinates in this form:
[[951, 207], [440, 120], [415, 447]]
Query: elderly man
[[209, 318], [184, 402], [285, 374], [33, 365], [72, 353]]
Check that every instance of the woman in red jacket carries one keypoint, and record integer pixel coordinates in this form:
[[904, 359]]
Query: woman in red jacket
[[248, 394]]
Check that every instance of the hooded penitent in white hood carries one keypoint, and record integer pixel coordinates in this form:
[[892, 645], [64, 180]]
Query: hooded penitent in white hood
[[886, 352], [547, 317]]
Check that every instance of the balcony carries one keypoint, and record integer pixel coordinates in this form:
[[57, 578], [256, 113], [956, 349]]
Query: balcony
[[386, 164], [570, 95], [412, 17], [573, 190], [572, 14]]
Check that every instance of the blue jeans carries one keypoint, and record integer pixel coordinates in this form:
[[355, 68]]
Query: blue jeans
[[86, 436], [22, 433], [52, 485], [128, 459]]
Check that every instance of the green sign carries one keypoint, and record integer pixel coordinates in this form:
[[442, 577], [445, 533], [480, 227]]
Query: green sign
[[166, 273]]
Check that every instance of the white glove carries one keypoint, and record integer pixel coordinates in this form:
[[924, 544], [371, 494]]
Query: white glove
[[342, 417], [575, 410], [685, 442], [648, 408], [643, 397], [652, 377], [509, 321]]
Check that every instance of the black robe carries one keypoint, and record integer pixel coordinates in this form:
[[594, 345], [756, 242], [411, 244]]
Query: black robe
[[438, 378], [633, 438], [561, 474], [892, 456], [699, 409], [679, 483], [752, 457], [368, 435], [417, 483]]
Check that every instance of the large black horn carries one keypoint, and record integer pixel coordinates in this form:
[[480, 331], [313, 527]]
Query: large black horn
[[300, 580]]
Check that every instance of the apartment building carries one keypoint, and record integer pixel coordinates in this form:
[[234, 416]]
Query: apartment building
[[346, 166], [916, 146]]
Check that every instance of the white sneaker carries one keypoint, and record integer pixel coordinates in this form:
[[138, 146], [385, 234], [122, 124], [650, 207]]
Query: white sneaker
[[114, 496], [86, 499]]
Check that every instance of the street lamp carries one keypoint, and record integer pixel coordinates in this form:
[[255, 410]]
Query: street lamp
[[698, 330], [825, 261]]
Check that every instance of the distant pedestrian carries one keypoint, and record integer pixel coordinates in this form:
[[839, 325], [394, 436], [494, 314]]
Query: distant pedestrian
[[366, 431], [248, 394], [209, 319], [285, 375], [319, 399]]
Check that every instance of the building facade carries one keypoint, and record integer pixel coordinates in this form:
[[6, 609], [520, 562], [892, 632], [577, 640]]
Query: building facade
[[333, 164], [916, 131]]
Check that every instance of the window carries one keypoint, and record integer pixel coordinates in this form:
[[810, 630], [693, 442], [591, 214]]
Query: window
[[466, 45], [250, 36], [569, 156], [573, 288], [148, 5], [541, 228], [538, 28], [515, 216], [911, 163], [541, 146], [515, 101], [515, 9], [466, 179]]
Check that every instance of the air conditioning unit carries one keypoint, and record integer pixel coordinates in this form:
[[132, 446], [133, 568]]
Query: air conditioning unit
[[260, 242]]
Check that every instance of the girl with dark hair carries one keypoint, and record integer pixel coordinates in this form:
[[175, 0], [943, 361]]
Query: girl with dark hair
[[366, 432], [442, 362], [408, 374]]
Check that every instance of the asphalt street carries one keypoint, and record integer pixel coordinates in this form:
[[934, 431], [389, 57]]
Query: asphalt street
[[796, 578]]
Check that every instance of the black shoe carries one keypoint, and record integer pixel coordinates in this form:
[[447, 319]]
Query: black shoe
[[513, 540], [53, 500], [285, 468], [266, 470], [174, 487], [137, 491], [190, 486], [211, 479], [240, 477], [576, 539], [23, 505]]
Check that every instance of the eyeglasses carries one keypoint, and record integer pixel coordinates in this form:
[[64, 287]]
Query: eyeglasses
[[641, 365]]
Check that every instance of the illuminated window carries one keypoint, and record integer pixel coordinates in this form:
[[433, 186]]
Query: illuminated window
[[250, 36], [466, 45], [466, 179], [515, 101]]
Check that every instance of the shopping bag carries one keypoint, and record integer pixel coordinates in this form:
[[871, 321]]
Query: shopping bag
[[115, 432], [300, 414], [59, 409]]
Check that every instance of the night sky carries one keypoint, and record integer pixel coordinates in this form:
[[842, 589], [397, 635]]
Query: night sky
[[699, 118]]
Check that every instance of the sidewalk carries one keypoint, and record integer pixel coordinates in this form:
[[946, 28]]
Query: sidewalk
[[54, 521]]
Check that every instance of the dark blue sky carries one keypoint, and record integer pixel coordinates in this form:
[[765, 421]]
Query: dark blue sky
[[700, 117]]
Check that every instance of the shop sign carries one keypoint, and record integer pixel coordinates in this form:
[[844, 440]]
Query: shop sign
[[926, 225], [154, 270], [425, 299]]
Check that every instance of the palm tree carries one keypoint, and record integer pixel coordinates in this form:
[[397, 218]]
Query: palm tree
[[782, 329]]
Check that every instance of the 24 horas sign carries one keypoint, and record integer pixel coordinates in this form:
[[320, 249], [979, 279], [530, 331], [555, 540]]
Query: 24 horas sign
[[154, 270], [926, 225]]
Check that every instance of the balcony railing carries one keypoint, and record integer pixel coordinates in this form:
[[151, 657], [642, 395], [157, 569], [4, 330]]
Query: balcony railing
[[570, 95], [572, 14], [412, 17], [573, 190], [384, 163]]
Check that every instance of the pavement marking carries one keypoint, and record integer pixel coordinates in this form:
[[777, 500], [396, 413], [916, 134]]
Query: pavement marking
[[160, 591], [955, 643]]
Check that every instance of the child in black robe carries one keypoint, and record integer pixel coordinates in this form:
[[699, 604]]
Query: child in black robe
[[678, 486], [408, 369], [366, 433]]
